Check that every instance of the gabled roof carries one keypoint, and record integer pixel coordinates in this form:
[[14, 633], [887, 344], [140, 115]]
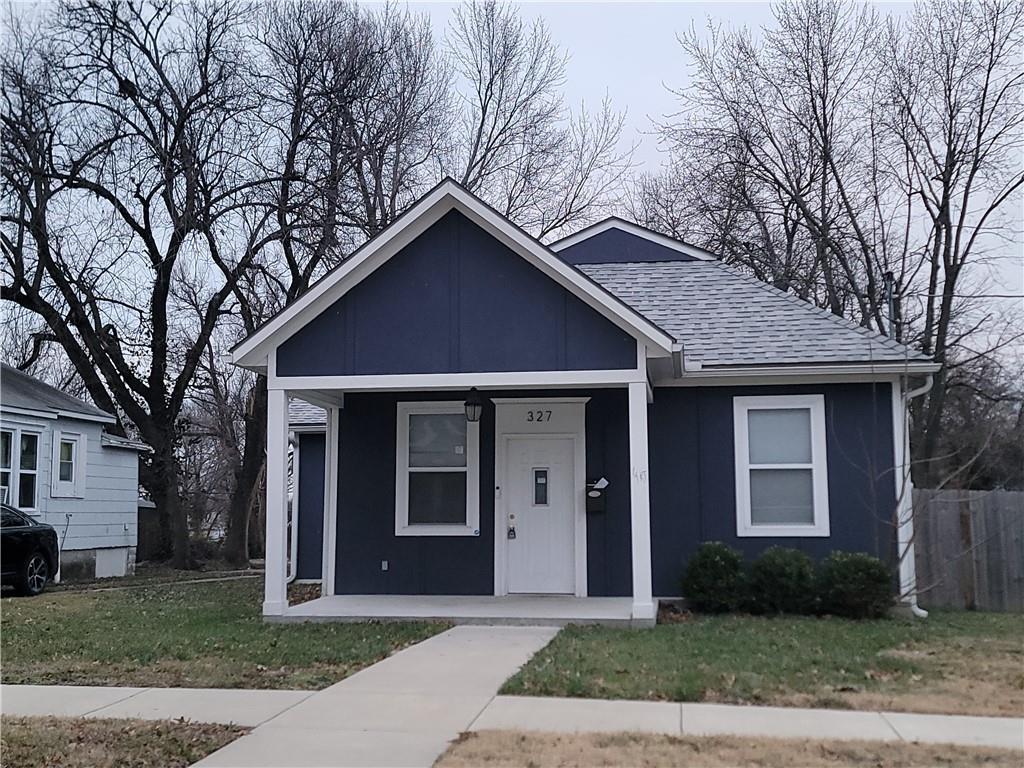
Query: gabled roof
[[660, 247], [726, 319], [448, 195], [20, 391]]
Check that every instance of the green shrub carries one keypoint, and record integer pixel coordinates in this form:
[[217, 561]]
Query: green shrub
[[781, 580], [713, 582], [855, 585]]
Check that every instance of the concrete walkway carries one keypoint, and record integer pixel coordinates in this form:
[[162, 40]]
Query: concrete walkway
[[203, 705], [528, 713], [402, 711]]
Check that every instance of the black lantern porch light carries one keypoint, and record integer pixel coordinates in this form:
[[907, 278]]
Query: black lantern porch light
[[474, 406]]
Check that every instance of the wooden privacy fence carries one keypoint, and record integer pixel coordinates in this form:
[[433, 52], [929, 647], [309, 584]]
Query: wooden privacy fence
[[970, 549]]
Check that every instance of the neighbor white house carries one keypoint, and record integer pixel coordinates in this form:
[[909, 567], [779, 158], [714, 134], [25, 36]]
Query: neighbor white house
[[59, 465]]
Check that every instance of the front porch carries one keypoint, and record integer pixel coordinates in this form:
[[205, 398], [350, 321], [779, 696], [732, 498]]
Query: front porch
[[528, 610]]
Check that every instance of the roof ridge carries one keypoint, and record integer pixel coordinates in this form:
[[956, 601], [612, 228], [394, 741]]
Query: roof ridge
[[842, 322]]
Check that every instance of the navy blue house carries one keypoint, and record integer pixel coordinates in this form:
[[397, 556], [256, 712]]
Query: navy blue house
[[484, 427]]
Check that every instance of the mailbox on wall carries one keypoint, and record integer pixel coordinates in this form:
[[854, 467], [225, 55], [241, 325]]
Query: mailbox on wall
[[596, 497]]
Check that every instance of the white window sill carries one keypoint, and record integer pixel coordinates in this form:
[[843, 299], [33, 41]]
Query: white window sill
[[440, 529], [784, 531]]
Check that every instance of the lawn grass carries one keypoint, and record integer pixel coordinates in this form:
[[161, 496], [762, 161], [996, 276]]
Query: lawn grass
[[950, 662], [510, 749], [30, 742], [184, 635]]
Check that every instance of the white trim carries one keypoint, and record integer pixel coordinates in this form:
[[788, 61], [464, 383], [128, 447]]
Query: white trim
[[426, 211], [330, 534], [903, 487], [796, 374], [405, 382], [644, 608], [74, 488], [632, 228], [59, 414], [15, 471], [275, 598], [815, 405], [504, 430], [471, 526]]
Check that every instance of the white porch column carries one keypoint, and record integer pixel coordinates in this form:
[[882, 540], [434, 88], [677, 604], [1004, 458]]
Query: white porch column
[[330, 530], [640, 502], [275, 596]]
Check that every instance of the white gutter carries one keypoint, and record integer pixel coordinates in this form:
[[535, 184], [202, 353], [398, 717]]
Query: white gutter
[[908, 486]]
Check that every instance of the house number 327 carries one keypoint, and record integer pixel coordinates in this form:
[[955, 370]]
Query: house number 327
[[538, 415]]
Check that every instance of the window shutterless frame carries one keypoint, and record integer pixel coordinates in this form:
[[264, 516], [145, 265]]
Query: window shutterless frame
[[67, 461], [20, 470], [471, 471], [818, 465]]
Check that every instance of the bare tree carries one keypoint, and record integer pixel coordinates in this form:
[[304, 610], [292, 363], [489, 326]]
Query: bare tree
[[519, 148], [836, 153], [125, 133]]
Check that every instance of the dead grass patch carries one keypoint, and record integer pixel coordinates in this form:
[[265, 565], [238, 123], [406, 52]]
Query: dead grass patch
[[29, 742], [497, 749], [980, 676]]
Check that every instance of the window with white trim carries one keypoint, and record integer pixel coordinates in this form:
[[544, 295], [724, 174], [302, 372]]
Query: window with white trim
[[19, 468], [68, 465], [781, 466], [437, 483], [6, 464]]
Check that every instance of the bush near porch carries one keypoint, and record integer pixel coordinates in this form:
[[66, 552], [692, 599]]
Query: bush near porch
[[970, 663], [184, 635]]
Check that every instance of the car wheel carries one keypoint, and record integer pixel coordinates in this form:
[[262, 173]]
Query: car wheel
[[34, 574]]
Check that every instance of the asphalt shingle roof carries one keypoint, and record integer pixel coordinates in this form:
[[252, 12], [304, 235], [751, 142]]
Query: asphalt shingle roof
[[19, 390], [301, 413], [725, 318]]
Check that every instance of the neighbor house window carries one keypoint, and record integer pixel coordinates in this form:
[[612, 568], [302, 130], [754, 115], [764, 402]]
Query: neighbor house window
[[68, 464], [19, 468], [437, 486], [6, 464], [781, 468]]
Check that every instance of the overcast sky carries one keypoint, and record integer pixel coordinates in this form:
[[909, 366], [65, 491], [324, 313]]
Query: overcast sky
[[630, 51]]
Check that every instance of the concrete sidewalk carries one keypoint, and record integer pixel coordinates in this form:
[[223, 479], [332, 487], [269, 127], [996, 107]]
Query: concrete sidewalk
[[203, 705], [529, 713]]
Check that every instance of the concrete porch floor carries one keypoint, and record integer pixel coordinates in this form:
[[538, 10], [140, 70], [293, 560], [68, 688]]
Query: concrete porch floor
[[535, 610]]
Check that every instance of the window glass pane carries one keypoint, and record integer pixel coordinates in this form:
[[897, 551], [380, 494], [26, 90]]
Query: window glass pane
[[437, 440], [5, 483], [781, 496], [29, 444], [437, 497], [540, 487], [67, 450], [67, 472], [779, 436], [10, 519], [27, 491], [5, 449]]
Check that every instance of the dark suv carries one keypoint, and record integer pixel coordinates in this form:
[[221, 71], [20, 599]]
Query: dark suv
[[28, 551]]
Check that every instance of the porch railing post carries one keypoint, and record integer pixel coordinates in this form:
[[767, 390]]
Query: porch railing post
[[275, 597], [640, 502]]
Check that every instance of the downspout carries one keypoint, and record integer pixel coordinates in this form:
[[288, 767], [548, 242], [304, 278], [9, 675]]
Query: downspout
[[915, 609]]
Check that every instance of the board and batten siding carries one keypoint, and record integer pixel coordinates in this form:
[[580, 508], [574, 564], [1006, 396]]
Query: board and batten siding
[[106, 513], [693, 475], [456, 300]]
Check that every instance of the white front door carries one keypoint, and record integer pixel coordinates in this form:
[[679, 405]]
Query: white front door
[[540, 511]]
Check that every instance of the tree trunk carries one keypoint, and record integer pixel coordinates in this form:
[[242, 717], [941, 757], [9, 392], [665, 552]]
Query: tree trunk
[[247, 476], [167, 497]]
